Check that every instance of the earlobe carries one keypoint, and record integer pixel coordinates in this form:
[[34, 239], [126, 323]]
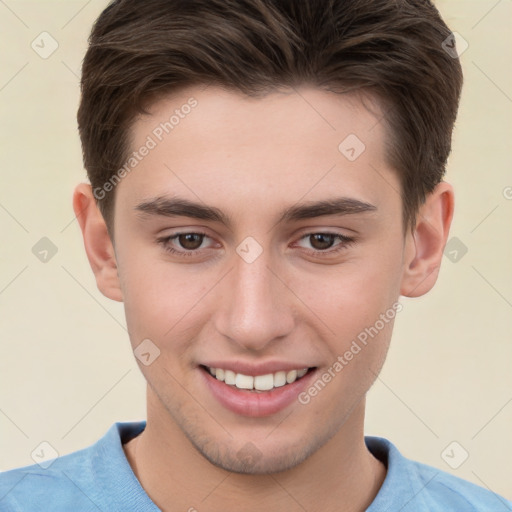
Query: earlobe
[[98, 245], [425, 246]]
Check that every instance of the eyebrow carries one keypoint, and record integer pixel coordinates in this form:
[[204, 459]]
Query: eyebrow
[[181, 207]]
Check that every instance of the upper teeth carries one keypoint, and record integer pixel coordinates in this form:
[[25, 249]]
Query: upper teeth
[[259, 382]]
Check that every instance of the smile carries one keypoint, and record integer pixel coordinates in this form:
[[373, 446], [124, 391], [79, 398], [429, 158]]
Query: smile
[[265, 382], [255, 390]]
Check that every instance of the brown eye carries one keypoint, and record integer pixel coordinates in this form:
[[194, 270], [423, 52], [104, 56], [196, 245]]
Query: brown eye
[[321, 241], [190, 241]]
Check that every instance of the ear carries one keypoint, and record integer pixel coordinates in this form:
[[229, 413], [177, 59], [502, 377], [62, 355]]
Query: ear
[[98, 246], [424, 246]]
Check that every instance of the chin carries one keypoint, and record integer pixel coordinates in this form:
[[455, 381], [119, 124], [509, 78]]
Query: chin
[[247, 458], [250, 461]]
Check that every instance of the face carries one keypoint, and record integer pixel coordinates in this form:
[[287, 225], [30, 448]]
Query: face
[[256, 239]]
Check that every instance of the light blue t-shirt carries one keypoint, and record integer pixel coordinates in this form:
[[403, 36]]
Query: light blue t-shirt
[[99, 478]]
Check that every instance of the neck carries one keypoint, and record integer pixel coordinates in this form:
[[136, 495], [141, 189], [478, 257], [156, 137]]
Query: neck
[[340, 475]]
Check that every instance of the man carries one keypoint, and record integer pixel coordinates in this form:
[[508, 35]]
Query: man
[[266, 181]]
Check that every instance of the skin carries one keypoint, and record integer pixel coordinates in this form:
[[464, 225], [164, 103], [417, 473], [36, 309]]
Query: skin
[[252, 158]]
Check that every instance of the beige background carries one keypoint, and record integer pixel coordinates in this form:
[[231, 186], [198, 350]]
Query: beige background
[[66, 370]]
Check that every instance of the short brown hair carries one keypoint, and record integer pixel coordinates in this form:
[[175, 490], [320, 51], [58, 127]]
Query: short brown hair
[[140, 50]]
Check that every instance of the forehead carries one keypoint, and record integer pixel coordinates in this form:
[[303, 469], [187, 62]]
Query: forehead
[[225, 148]]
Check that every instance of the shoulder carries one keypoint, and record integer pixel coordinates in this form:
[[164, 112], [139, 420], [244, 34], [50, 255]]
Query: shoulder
[[76, 481], [449, 492], [28, 487], [419, 487]]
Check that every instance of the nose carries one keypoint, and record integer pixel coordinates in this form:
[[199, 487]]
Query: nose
[[254, 307]]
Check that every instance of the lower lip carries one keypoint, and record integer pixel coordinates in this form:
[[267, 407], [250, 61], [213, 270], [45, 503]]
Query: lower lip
[[253, 404]]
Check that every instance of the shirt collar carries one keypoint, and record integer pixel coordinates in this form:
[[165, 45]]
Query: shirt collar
[[403, 486], [401, 490]]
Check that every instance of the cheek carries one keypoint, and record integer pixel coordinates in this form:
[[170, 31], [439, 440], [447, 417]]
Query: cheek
[[161, 298], [360, 316], [355, 306], [352, 296]]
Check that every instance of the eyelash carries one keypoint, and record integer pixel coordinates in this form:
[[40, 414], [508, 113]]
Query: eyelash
[[346, 241]]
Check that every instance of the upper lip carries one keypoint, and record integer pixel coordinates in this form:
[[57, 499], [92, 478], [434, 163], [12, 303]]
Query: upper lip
[[253, 369]]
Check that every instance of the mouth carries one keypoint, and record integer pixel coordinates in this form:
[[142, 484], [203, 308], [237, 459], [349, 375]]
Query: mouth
[[256, 395], [257, 383]]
